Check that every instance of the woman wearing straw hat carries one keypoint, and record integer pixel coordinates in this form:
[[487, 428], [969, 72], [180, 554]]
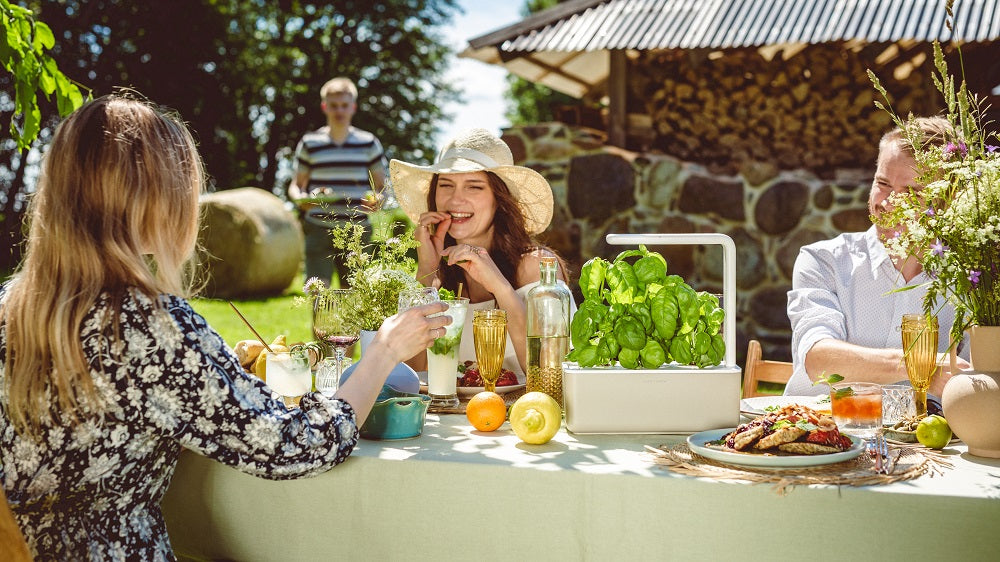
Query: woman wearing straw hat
[[476, 215]]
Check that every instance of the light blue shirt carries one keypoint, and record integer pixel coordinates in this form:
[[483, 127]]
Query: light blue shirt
[[842, 289]]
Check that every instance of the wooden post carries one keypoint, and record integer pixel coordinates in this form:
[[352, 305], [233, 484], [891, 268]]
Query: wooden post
[[617, 73]]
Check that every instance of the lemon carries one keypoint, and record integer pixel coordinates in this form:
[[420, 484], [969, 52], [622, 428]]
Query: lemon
[[934, 432], [535, 418]]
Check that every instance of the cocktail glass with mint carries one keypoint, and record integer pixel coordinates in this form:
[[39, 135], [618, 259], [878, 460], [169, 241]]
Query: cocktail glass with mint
[[442, 358]]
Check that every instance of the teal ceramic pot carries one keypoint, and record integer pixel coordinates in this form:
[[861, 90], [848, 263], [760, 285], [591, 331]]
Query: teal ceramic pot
[[396, 415]]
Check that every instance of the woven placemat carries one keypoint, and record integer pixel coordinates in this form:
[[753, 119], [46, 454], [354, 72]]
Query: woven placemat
[[912, 461]]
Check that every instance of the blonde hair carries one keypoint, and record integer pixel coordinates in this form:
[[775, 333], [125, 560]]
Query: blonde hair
[[339, 85], [116, 210], [934, 131]]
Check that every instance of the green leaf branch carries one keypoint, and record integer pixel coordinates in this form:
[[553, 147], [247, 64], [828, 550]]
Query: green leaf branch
[[23, 45]]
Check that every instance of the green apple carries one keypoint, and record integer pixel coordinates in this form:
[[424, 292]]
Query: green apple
[[934, 432]]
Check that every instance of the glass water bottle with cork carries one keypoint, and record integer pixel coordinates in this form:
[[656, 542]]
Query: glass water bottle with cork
[[548, 331]]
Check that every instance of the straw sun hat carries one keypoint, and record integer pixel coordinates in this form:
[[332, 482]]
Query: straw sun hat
[[476, 150]]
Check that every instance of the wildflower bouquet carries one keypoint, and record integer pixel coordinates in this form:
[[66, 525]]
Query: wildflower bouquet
[[952, 225], [377, 271]]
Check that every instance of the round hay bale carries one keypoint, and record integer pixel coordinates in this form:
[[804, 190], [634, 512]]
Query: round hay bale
[[252, 246]]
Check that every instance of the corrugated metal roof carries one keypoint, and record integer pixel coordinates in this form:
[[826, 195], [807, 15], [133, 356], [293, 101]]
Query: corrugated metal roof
[[565, 47], [688, 24]]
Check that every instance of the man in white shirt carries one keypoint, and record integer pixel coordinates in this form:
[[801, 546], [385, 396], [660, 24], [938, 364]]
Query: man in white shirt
[[845, 316]]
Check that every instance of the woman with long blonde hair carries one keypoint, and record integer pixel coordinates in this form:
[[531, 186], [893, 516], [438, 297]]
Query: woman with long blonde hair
[[106, 372]]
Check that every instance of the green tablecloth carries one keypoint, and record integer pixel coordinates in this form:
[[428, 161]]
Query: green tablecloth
[[458, 494]]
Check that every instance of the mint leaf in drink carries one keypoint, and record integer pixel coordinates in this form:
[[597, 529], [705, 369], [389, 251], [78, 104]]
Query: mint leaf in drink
[[445, 294], [828, 379], [843, 392]]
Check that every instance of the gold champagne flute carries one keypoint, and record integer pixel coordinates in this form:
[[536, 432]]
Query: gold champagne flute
[[489, 333], [920, 344]]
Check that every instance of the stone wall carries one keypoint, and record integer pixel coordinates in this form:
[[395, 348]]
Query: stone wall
[[770, 213]]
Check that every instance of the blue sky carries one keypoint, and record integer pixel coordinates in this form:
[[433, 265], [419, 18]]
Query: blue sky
[[483, 84]]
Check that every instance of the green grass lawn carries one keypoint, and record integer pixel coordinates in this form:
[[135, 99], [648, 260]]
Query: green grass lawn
[[277, 315], [271, 317]]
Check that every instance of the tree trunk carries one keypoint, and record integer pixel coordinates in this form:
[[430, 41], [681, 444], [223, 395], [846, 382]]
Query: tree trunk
[[11, 236]]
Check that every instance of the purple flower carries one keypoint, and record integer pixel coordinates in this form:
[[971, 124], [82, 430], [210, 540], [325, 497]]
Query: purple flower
[[929, 212], [938, 249], [952, 148], [991, 149], [974, 276], [313, 286]]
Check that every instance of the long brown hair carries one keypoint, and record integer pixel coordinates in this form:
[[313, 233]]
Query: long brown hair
[[116, 210], [510, 242]]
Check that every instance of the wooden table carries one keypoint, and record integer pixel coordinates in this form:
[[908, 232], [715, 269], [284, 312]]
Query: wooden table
[[458, 494]]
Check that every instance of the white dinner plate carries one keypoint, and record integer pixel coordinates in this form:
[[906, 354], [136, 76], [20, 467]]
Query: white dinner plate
[[470, 391], [697, 444], [756, 406]]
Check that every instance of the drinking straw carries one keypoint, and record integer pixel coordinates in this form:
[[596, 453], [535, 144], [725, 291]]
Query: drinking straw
[[247, 322]]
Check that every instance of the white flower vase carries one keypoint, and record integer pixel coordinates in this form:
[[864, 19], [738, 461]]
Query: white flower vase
[[971, 400], [366, 339], [401, 378]]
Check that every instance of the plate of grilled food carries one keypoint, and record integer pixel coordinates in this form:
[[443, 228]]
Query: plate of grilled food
[[792, 436]]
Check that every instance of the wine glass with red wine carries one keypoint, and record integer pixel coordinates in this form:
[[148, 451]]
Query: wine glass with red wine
[[335, 322]]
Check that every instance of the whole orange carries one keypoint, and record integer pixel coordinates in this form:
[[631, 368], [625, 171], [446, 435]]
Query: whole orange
[[486, 411]]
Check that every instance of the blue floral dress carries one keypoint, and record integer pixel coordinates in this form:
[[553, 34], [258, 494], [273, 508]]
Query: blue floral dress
[[93, 490]]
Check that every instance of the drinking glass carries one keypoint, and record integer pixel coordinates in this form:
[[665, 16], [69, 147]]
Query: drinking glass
[[328, 374], [489, 334], [287, 373], [409, 298], [857, 407], [442, 359], [920, 343], [897, 403], [335, 322]]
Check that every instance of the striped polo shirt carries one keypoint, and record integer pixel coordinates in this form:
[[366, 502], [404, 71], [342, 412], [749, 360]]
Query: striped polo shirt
[[341, 168]]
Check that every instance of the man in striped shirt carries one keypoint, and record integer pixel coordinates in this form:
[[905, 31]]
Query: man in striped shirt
[[331, 183]]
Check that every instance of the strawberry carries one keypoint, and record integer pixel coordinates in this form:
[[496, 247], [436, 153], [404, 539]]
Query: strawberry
[[470, 376]]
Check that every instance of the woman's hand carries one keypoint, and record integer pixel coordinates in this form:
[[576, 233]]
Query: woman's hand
[[411, 332], [401, 336], [431, 244], [479, 266]]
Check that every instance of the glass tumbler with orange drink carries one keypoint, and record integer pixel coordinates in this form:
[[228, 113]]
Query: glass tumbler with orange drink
[[857, 407]]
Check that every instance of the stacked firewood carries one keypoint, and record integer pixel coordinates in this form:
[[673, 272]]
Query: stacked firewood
[[814, 110]]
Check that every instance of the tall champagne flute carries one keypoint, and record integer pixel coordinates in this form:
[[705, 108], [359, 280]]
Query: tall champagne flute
[[920, 344], [489, 334], [335, 322]]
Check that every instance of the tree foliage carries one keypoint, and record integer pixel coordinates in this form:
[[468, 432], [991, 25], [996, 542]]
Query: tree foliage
[[23, 47], [246, 74]]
